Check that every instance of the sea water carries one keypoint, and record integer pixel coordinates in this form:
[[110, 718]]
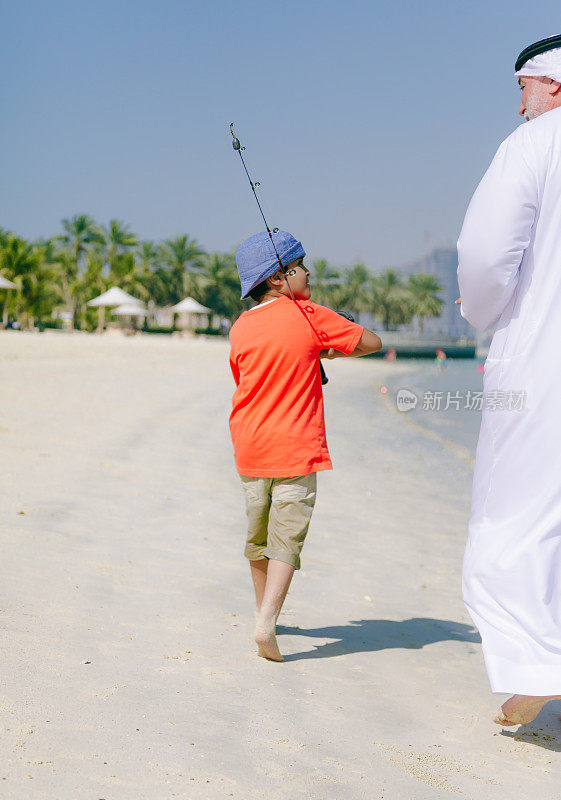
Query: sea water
[[444, 399]]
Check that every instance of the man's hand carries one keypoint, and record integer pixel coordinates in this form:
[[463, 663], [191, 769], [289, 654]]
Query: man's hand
[[330, 354], [458, 301]]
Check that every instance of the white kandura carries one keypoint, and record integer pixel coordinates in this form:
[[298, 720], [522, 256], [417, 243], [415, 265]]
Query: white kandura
[[510, 276]]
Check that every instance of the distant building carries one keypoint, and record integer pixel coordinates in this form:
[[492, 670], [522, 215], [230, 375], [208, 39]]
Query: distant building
[[443, 264]]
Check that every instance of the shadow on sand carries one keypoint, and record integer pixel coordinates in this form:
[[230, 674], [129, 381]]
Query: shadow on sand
[[370, 635], [544, 731]]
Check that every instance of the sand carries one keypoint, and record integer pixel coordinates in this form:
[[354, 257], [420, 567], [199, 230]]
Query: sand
[[126, 611]]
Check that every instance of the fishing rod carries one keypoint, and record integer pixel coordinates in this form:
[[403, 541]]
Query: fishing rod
[[239, 149]]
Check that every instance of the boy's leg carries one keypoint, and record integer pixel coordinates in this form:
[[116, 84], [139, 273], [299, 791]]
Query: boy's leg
[[259, 577], [292, 503], [279, 576], [257, 492]]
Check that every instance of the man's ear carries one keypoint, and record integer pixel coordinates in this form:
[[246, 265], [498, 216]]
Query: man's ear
[[554, 88]]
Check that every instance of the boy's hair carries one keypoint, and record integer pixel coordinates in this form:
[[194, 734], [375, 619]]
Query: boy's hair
[[259, 291]]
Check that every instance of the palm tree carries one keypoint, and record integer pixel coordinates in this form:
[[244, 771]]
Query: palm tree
[[159, 286], [219, 286], [114, 249], [127, 273], [148, 255], [80, 234], [391, 299], [355, 292], [424, 300], [44, 294], [182, 257], [4, 237], [150, 273], [323, 279], [68, 280], [20, 263], [91, 283], [118, 240]]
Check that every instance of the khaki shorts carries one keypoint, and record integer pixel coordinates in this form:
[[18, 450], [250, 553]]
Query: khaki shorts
[[278, 512]]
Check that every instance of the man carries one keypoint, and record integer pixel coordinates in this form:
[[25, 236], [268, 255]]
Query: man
[[509, 275]]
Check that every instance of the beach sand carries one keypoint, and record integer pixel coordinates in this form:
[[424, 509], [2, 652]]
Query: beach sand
[[126, 610]]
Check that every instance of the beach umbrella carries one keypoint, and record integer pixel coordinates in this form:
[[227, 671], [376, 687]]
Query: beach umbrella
[[6, 284], [112, 297], [130, 310], [190, 311], [190, 306]]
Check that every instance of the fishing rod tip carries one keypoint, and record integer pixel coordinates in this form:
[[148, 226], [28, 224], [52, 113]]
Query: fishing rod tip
[[236, 143]]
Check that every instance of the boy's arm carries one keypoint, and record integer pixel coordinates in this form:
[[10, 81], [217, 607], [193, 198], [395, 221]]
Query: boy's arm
[[368, 343]]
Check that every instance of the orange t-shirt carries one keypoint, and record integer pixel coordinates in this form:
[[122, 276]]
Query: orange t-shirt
[[277, 421]]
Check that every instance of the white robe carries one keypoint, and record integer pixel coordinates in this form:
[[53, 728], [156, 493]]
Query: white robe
[[509, 275]]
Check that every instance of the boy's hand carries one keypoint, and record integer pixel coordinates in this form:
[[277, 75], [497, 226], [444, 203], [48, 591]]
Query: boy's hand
[[458, 301]]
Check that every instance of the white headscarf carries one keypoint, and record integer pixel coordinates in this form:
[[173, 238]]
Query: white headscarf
[[544, 65]]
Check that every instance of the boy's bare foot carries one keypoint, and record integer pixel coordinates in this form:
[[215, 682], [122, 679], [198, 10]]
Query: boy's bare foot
[[266, 641], [521, 708]]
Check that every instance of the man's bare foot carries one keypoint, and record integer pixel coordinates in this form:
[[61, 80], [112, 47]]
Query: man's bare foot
[[266, 641], [521, 708]]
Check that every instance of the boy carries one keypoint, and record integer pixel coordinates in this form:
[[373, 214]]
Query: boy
[[277, 422]]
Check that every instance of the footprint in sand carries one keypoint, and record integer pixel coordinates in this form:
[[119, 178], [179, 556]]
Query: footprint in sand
[[427, 767]]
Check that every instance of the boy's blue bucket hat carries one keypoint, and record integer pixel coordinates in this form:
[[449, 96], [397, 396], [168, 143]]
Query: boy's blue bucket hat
[[257, 261]]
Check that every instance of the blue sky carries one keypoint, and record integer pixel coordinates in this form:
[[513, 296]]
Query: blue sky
[[368, 124]]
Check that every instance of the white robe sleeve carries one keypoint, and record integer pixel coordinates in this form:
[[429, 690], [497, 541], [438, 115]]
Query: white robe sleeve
[[496, 231]]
